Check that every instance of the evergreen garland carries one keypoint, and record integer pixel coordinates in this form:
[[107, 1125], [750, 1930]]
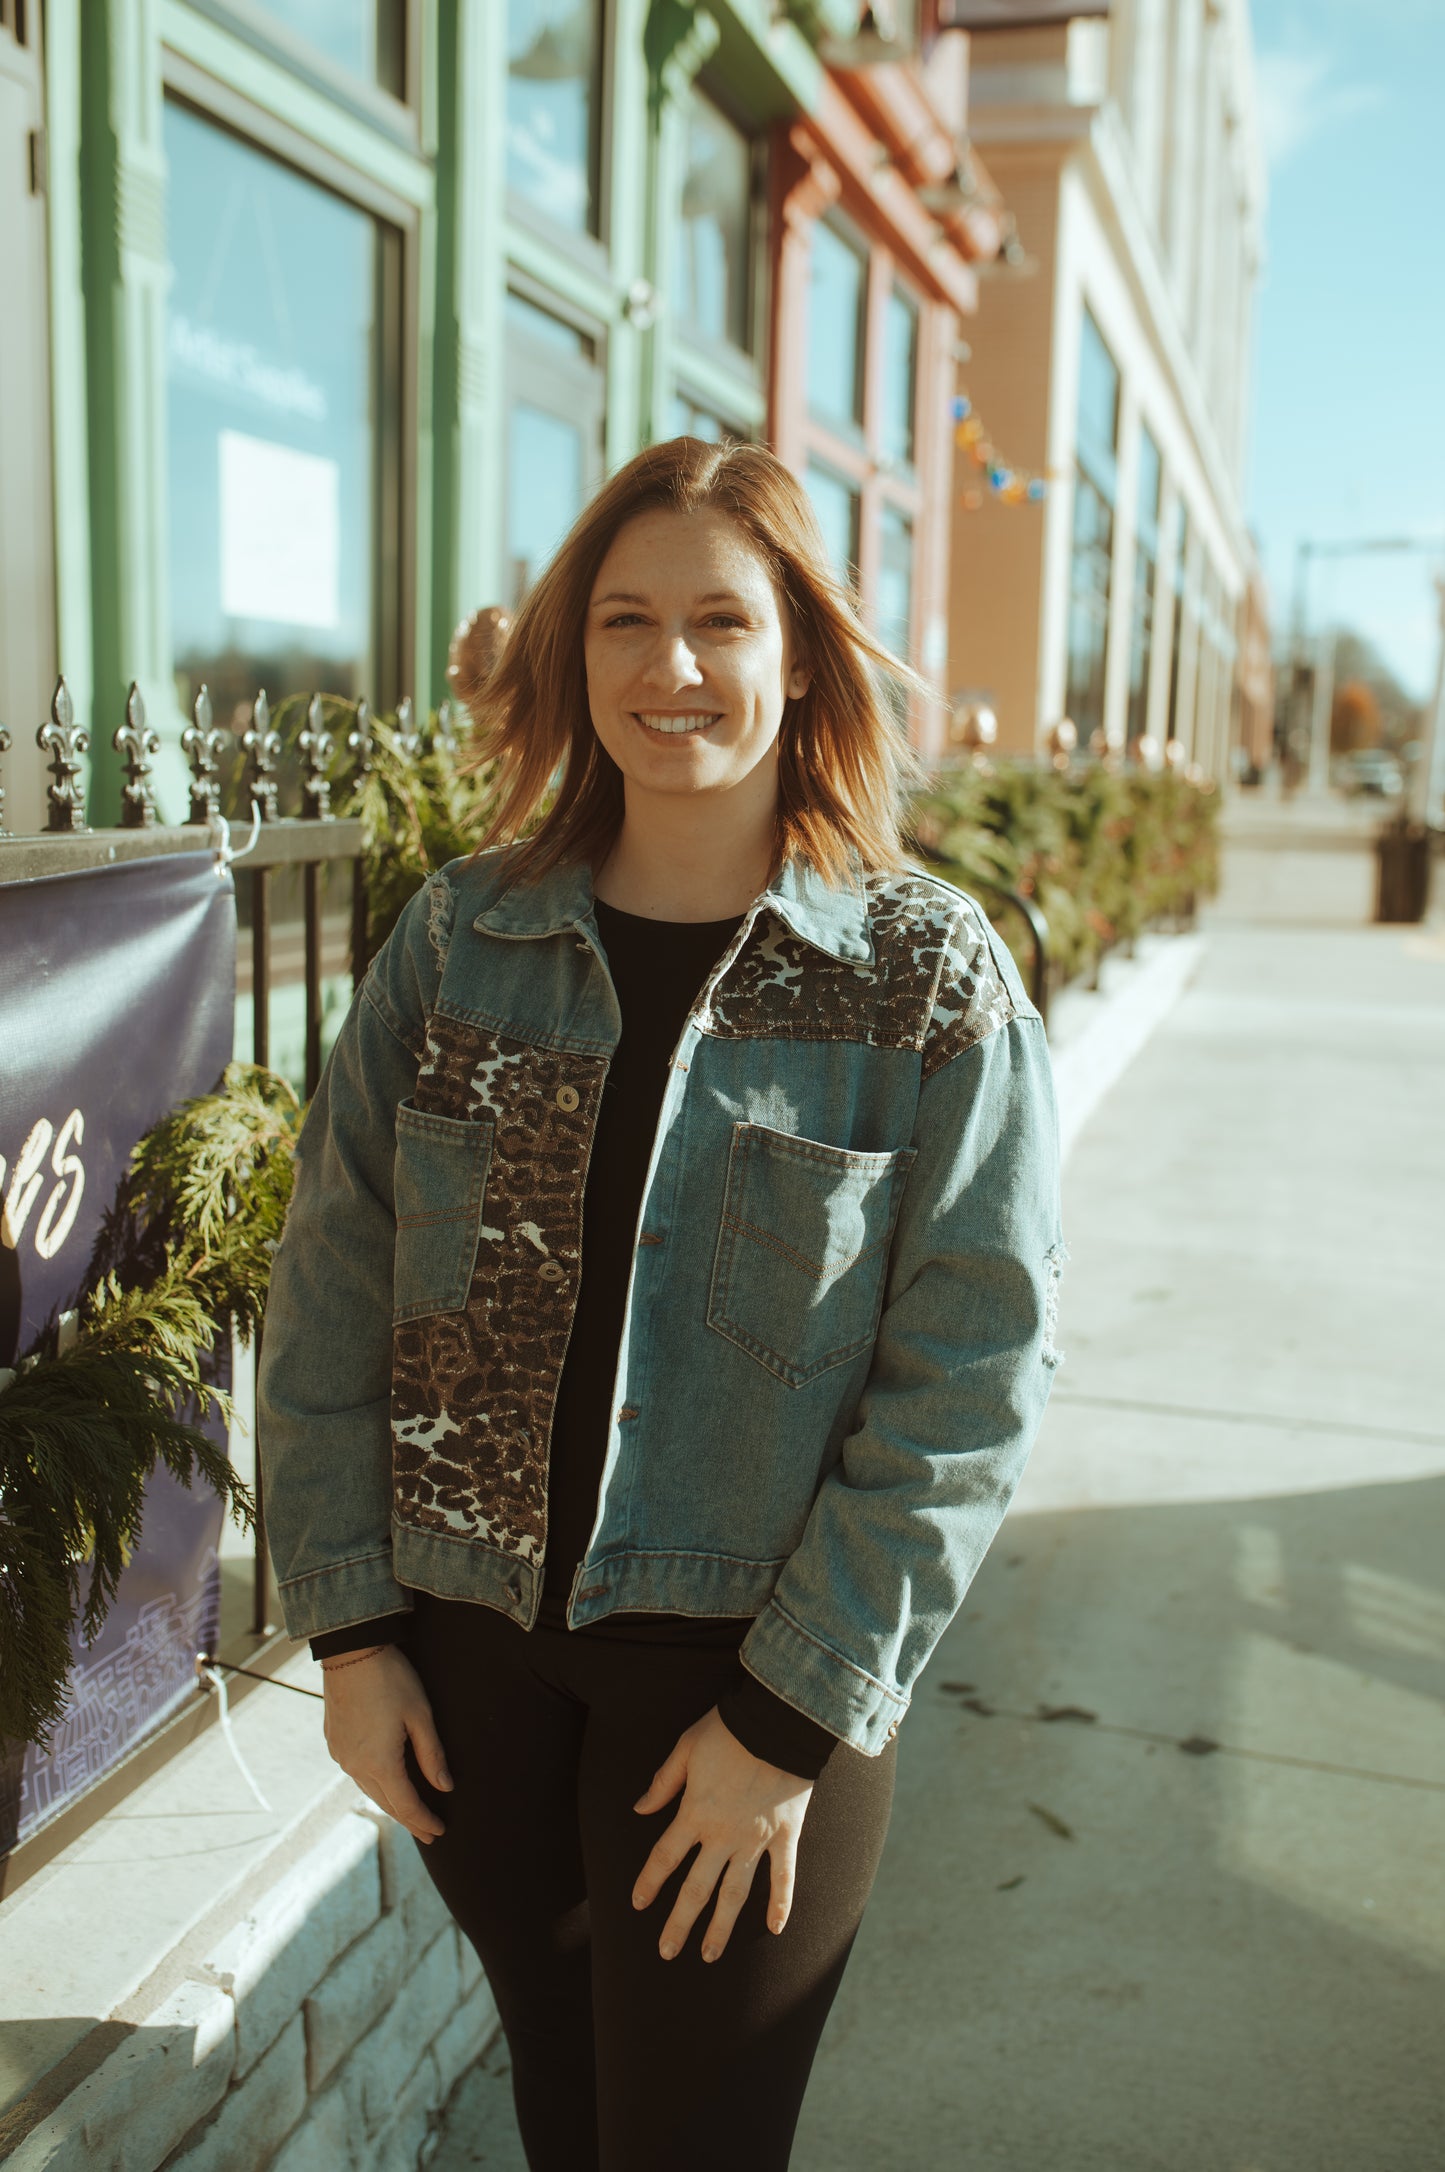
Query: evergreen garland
[[184, 1254]]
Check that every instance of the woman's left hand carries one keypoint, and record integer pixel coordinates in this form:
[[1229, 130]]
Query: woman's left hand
[[735, 1809]]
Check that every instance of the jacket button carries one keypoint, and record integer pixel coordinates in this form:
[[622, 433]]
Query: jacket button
[[649, 1236], [629, 1410], [893, 1732], [552, 1270], [567, 1097]]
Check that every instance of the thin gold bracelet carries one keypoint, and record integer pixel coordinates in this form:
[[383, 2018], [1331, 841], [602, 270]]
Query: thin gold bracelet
[[334, 1666]]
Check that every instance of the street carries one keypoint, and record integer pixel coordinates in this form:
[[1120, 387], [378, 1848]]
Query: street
[[1193, 1921]]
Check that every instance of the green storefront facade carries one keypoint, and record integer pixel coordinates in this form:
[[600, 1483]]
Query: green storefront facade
[[343, 308]]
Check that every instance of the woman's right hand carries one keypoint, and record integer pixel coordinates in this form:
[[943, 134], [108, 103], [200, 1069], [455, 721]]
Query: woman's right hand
[[374, 1706]]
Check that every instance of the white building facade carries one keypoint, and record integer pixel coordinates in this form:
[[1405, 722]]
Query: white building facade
[[1116, 362]]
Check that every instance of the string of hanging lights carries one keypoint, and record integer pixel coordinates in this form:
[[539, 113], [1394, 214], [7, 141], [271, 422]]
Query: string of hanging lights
[[996, 477]]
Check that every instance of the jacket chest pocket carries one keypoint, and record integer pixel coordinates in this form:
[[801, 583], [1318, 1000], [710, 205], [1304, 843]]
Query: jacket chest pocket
[[440, 1179], [802, 1255]]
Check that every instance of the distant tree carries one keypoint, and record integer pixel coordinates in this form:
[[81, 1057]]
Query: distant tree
[[1354, 718], [1359, 661]]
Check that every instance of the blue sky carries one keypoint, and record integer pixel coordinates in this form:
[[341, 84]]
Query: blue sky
[[1348, 435]]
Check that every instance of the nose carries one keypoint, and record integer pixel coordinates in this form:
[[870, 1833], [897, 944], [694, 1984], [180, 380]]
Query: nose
[[672, 664]]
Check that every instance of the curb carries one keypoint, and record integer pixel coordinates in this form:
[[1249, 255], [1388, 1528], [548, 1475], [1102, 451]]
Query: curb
[[1094, 1058]]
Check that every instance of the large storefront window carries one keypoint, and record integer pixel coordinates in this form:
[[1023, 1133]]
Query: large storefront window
[[555, 402], [1093, 538], [272, 365], [365, 37], [1146, 566], [712, 259], [836, 297], [554, 80]]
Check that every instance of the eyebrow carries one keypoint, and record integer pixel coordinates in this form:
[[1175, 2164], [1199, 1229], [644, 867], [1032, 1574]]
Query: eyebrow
[[716, 595]]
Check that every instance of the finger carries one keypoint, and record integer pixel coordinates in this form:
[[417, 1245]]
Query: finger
[[376, 1793], [405, 1805], [668, 1852], [665, 1783], [693, 1896], [427, 1749], [733, 1891], [784, 1861]]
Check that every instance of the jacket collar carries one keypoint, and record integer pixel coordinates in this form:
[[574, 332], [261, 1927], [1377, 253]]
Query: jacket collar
[[833, 919]]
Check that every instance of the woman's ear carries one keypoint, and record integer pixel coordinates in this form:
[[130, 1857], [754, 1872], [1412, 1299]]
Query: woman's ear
[[800, 678]]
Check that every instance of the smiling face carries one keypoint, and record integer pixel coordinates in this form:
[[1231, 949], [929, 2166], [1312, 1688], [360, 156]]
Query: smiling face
[[689, 657]]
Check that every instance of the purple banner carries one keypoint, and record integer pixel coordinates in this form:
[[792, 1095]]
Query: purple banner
[[117, 1001]]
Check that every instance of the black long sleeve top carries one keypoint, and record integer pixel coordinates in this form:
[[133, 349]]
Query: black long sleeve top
[[657, 967]]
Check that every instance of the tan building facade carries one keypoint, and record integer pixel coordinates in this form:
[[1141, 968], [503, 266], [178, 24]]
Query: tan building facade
[[1115, 362]]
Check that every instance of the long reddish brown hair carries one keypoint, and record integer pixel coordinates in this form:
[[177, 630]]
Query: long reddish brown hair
[[843, 760]]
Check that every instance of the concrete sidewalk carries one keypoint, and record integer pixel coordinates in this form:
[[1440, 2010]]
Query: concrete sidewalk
[[1092, 1949]]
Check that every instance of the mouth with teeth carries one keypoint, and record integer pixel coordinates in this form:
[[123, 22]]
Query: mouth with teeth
[[666, 724]]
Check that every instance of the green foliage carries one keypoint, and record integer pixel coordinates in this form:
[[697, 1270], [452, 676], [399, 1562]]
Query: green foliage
[[186, 1251], [1103, 852], [418, 810], [421, 802]]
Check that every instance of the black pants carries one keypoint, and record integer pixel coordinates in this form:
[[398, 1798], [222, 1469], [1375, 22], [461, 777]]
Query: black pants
[[621, 2061]]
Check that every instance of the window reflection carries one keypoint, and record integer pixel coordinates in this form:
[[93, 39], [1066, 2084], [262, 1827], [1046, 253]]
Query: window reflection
[[893, 610], [714, 231], [553, 80], [836, 505], [366, 37], [271, 370], [837, 278], [545, 461], [1093, 538], [687, 418], [1146, 556], [900, 366], [556, 395]]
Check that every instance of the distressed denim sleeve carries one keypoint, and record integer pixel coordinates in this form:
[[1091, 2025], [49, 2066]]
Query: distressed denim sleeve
[[323, 1400], [961, 1372]]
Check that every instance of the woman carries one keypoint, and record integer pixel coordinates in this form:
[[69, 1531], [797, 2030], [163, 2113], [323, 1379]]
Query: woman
[[662, 1322]]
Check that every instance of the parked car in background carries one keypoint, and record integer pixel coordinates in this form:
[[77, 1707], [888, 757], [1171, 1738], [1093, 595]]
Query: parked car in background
[[1369, 769]]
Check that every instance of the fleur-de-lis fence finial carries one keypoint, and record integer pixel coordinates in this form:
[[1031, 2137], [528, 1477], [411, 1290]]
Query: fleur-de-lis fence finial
[[360, 742], [408, 738], [137, 745], [444, 738], [65, 742], [4, 749], [315, 745], [201, 744], [262, 749]]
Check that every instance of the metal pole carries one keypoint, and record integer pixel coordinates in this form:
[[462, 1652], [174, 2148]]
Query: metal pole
[[1427, 779], [311, 880], [1322, 711]]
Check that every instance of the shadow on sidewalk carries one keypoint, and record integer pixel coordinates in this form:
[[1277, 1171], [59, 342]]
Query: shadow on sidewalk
[[1091, 1950]]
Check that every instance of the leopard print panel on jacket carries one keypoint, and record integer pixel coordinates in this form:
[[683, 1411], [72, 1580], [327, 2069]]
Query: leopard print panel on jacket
[[933, 984], [472, 1391]]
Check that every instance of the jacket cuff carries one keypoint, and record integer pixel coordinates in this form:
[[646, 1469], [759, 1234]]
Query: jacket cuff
[[339, 1597], [387, 1629], [816, 1680], [775, 1731]]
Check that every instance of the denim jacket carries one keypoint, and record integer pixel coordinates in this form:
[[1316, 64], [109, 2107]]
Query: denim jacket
[[838, 1339]]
